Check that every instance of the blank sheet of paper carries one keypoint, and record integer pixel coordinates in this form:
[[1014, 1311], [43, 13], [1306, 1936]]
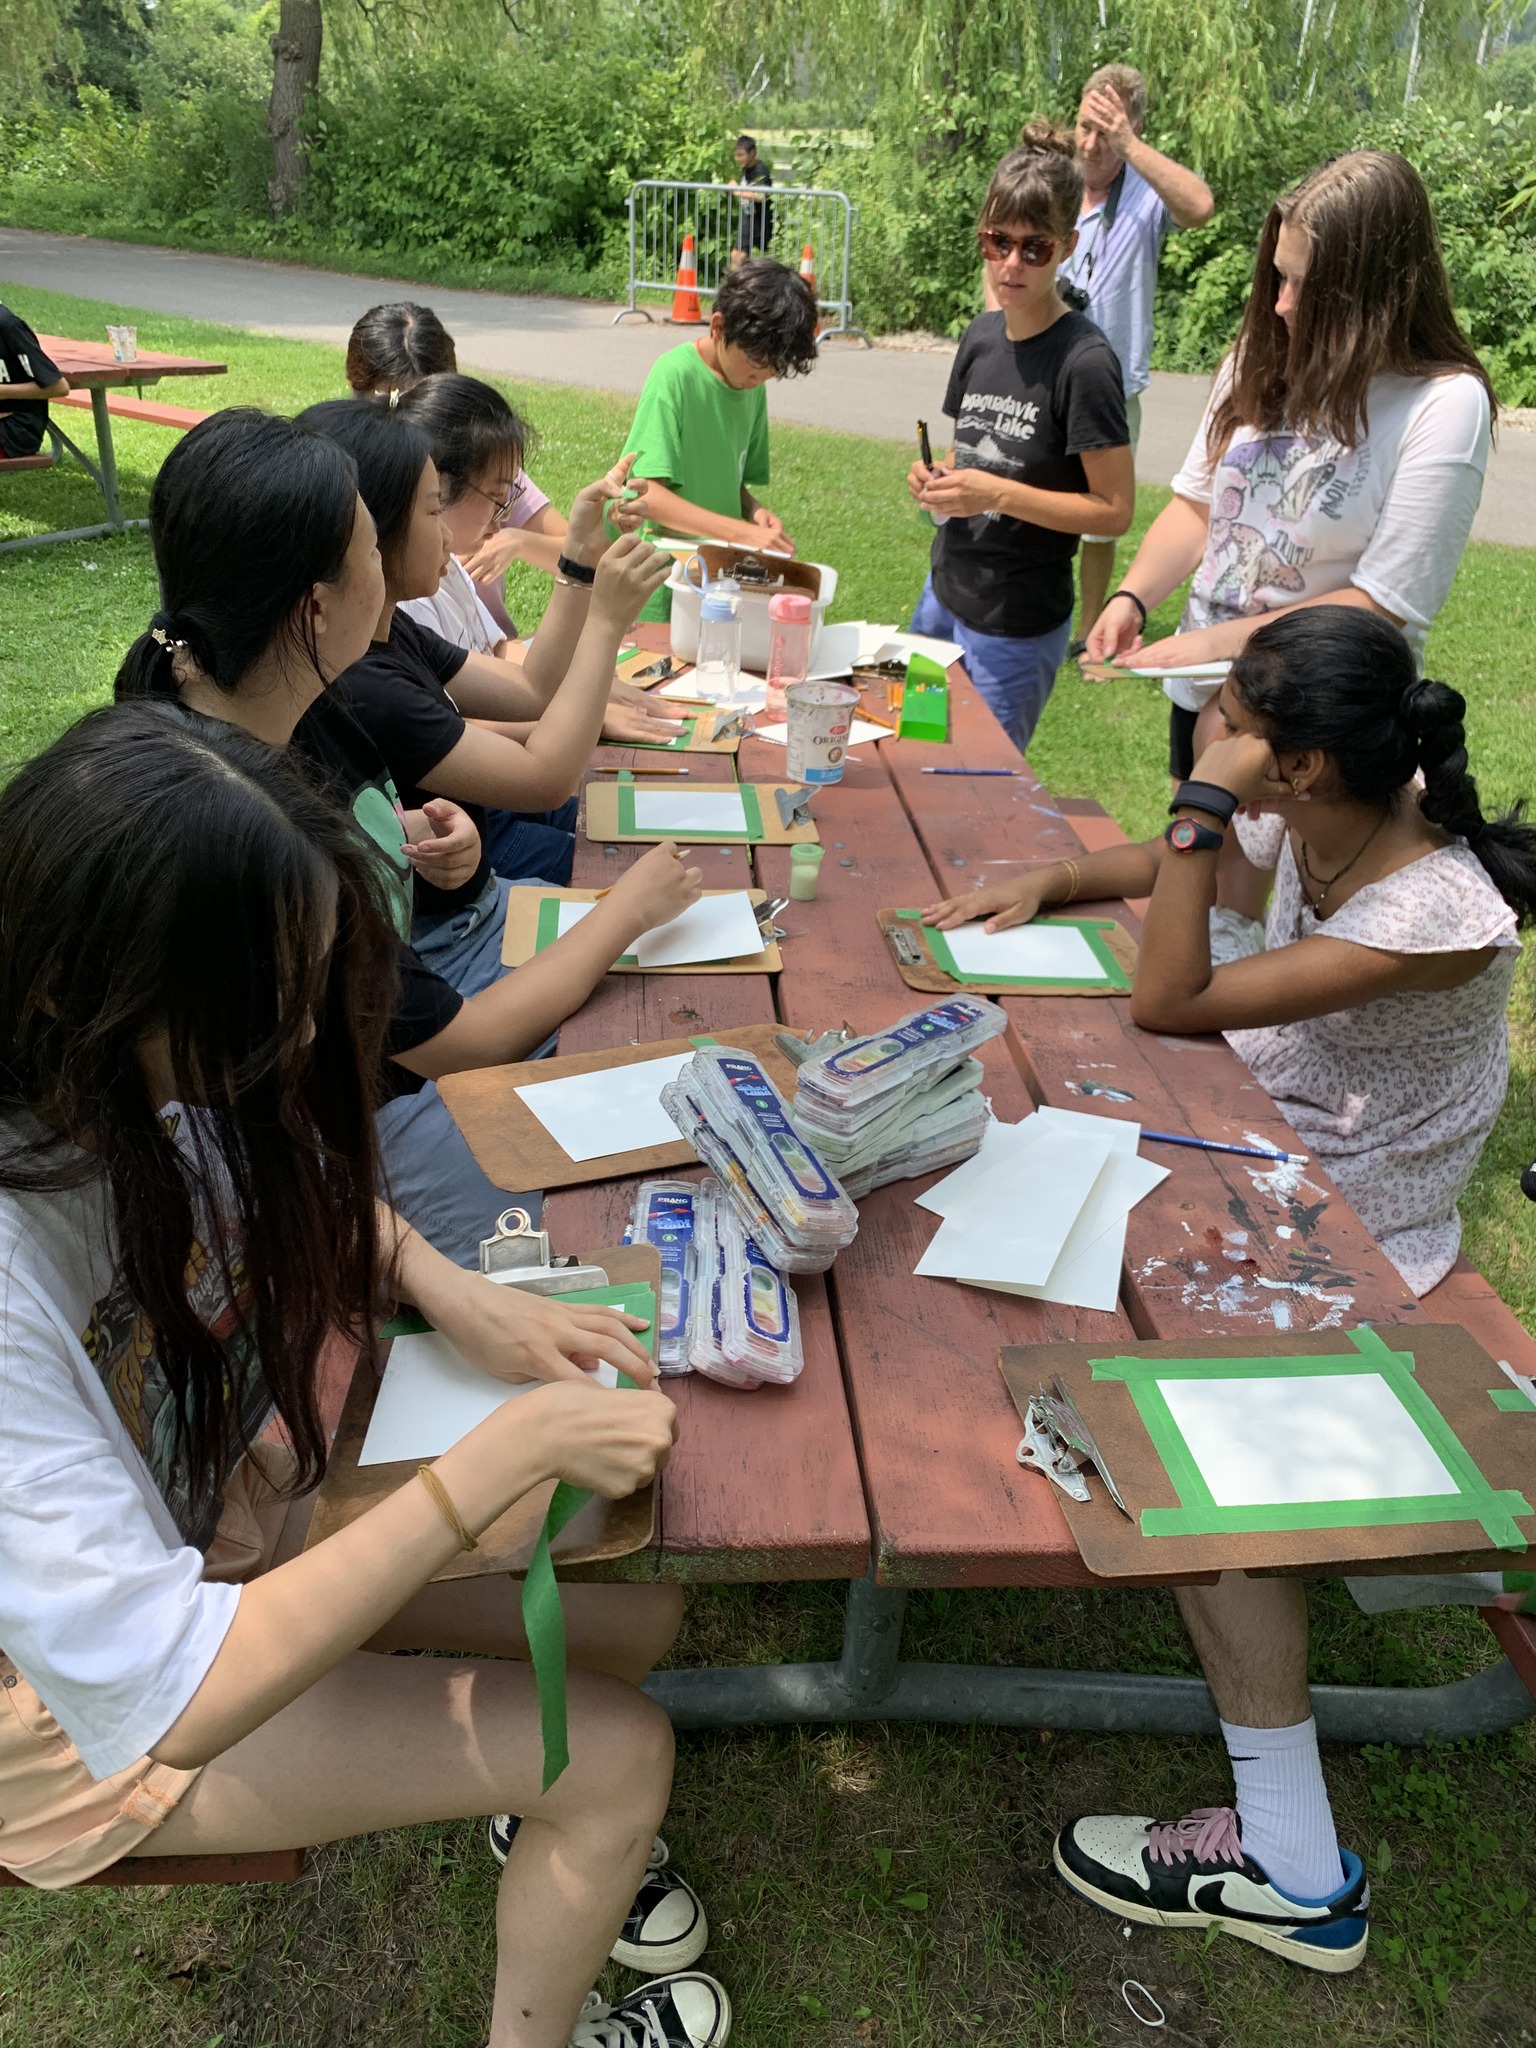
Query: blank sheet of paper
[[860, 731], [750, 693], [570, 915], [431, 1396], [714, 928], [679, 811], [1279, 1440], [1087, 1269], [1016, 1218], [616, 1109], [1040, 952]]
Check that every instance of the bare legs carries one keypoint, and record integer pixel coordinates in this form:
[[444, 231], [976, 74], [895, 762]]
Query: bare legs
[[1251, 1638]]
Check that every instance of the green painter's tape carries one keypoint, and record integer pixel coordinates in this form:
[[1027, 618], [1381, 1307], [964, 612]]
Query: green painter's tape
[[750, 810], [547, 930], [1092, 929], [1512, 1401], [1198, 1515]]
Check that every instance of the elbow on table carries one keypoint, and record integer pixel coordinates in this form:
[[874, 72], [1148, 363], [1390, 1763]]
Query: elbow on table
[[1159, 1010]]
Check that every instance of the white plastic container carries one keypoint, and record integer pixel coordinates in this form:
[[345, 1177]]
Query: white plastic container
[[753, 614]]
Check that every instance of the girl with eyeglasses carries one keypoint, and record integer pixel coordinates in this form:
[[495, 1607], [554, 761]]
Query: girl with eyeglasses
[[1042, 450]]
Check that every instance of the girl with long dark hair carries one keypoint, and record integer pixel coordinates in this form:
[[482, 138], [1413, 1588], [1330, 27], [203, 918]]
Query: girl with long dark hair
[[194, 993], [260, 651]]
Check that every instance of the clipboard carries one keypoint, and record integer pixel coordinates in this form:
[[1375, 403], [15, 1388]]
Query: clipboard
[[532, 924], [696, 736], [610, 815], [604, 1529], [919, 953], [516, 1151], [1444, 1367]]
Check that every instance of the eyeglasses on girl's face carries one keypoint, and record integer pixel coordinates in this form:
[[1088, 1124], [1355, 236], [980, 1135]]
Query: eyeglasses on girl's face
[[501, 508], [1034, 250]]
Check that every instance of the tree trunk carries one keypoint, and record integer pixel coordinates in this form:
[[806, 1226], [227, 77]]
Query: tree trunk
[[295, 76]]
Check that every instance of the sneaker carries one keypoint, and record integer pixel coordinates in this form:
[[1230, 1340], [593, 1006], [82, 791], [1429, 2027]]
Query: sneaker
[[690, 2011], [1193, 1873], [666, 1928]]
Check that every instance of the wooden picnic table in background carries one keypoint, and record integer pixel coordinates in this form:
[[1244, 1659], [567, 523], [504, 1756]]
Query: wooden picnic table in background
[[93, 370]]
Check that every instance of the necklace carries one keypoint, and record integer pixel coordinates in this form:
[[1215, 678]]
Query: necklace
[[1317, 881]]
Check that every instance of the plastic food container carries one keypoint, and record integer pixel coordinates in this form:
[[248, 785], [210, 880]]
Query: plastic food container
[[817, 579]]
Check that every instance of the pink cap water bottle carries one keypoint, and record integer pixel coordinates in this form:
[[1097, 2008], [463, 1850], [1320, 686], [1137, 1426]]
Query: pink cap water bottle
[[789, 645]]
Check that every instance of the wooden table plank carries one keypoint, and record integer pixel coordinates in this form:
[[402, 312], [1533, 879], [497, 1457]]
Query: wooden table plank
[[88, 364]]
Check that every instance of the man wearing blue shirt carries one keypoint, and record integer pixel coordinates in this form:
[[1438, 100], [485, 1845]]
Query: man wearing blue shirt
[[1132, 194]]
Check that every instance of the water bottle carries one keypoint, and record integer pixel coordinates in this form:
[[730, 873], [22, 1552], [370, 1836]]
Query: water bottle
[[789, 646], [718, 663]]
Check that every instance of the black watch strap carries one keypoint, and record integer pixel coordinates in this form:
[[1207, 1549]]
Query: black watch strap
[[1184, 835], [1205, 796], [575, 572]]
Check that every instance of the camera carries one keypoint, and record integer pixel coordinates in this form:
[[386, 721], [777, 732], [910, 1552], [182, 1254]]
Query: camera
[[1072, 295]]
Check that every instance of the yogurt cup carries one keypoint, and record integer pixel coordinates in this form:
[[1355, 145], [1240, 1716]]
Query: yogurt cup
[[818, 717]]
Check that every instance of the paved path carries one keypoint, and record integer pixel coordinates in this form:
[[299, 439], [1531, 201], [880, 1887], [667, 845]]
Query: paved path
[[878, 392]]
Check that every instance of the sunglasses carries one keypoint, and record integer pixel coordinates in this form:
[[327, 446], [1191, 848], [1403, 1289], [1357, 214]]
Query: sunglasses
[[1034, 250]]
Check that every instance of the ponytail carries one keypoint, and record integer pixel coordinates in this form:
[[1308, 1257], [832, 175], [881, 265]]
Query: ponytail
[[149, 667], [1434, 716]]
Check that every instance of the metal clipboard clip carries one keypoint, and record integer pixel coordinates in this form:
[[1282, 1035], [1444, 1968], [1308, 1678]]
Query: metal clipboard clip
[[517, 1255], [729, 725], [794, 805], [1058, 1442]]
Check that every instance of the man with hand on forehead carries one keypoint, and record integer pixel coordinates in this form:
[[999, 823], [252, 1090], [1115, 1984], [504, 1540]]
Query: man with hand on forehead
[[1132, 193]]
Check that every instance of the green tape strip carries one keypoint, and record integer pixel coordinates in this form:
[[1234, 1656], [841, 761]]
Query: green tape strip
[[1495, 1511], [547, 930], [1092, 929], [1512, 1401]]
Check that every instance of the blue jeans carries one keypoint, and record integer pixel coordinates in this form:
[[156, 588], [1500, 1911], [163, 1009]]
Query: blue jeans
[[1014, 677], [533, 846], [435, 1181], [464, 946]]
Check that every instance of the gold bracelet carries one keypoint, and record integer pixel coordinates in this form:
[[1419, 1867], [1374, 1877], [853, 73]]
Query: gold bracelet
[[445, 1506], [1075, 877]]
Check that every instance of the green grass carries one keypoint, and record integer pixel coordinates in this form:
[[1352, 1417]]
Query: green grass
[[806, 1842]]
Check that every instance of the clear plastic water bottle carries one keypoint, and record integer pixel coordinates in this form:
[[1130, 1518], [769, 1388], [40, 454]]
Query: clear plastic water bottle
[[789, 645], [718, 662]]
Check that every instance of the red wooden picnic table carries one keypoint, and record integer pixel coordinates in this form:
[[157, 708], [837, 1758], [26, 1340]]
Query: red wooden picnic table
[[891, 1461], [91, 366]]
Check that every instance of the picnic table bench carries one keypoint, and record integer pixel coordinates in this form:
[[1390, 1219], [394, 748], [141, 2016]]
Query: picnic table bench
[[890, 1463], [93, 373]]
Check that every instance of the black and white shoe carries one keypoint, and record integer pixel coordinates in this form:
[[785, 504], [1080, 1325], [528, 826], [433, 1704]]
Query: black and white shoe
[[1193, 1873], [665, 1929], [687, 2011]]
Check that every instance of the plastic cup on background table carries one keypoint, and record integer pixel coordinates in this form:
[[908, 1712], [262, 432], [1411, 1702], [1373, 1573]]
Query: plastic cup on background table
[[125, 343]]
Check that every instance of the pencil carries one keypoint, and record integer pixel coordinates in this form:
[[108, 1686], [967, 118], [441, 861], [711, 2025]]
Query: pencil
[[1218, 1145], [681, 853], [968, 771], [651, 768]]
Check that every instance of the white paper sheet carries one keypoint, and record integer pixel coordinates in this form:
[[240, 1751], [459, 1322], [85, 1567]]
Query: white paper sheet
[[431, 1396], [714, 928], [570, 915], [1197, 671], [1280, 1440], [1016, 1218], [678, 812], [750, 693], [860, 731], [612, 1110], [900, 646], [1087, 1269], [1046, 952]]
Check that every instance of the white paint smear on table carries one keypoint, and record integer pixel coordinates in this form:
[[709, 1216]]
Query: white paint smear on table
[[1040, 952], [1304, 1439], [431, 1396], [679, 811], [714, 928], [611, 1110]]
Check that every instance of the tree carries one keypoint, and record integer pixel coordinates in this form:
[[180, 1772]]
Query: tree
[[295, 79]]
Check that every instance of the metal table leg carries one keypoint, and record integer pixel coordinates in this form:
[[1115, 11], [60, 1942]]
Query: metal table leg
[[107, 456], [870, 1683]]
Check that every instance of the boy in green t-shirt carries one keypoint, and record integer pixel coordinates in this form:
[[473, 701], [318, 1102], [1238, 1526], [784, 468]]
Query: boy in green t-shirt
[[700, 432]]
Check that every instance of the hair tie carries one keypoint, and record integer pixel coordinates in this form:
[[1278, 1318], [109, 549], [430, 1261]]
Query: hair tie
[[162, 630], [394, 398]]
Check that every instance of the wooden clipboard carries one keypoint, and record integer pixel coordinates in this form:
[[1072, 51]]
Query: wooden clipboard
[[693, 739], [603, 1529], [905, 933], [604, 818], [516, 1151], [521, 937], [1450, 1366]]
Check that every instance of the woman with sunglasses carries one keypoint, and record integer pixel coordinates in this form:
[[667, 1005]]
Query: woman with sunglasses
[[1042, 450]]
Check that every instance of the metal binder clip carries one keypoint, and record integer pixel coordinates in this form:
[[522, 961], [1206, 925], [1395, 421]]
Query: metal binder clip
[[514, 1243], [1072, 1444], [794, 805], [1041, 1448], [657, 672], [907, 950], [729, 725]]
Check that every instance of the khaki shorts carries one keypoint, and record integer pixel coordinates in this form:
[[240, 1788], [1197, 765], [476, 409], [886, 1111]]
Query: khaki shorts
[[58, 1824]]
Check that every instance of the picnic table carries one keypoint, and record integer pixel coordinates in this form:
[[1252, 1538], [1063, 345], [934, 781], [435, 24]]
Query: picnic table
[[891, 1462], [90, 366]]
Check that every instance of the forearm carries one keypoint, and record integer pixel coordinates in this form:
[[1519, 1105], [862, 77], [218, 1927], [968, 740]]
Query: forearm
[[678, 515], [554, 640], [11, 393], [1227, 641], [1065, 511], [1116, 871], [1170, 552], [538, 550], [1185, 194], [1173, 968]]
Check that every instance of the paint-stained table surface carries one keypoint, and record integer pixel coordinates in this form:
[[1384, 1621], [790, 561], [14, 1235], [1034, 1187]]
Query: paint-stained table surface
[[899, 1439]]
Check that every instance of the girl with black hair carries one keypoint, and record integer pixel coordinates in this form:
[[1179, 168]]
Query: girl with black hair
[[1375, 1017], [513, 740], [260, 652], [193, 998]]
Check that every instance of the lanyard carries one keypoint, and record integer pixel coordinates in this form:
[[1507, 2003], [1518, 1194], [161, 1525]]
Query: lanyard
[[1101, 229]]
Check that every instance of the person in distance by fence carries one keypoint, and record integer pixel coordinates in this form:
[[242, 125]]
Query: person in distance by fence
[[755, 230]]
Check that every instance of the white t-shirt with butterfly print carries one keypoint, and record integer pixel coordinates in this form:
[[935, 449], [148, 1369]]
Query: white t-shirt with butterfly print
[[1294, 516]]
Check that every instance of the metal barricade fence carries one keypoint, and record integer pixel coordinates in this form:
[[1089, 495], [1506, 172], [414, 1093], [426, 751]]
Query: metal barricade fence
[[773, 220]]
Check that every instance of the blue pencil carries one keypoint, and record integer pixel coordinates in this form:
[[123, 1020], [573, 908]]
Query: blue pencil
[[969, 771], [1217, 1145]]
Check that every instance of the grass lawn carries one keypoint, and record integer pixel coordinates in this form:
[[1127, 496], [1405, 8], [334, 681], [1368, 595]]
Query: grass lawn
[[807, 1842]]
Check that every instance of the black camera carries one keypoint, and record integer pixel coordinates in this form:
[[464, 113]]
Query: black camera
[[1072, 295]]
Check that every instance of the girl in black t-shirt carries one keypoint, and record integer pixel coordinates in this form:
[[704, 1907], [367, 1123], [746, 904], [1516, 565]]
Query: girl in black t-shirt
[[1042, 449]]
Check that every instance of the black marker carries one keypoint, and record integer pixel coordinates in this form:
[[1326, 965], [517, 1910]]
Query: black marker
[[924, 445]]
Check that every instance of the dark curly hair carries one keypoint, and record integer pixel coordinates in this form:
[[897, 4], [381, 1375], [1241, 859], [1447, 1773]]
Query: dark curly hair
[[769, 313]]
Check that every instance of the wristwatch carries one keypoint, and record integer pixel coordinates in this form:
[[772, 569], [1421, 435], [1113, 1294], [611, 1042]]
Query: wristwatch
[[575, 572], [1184, 835]]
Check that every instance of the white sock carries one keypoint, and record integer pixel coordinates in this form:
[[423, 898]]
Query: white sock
[[1283, 1805]]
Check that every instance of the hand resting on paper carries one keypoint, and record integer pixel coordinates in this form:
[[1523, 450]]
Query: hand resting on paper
[[515, 1336], [635, 718], [1001, 903]]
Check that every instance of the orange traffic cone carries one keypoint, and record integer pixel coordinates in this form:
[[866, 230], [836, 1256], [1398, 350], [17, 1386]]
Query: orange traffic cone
[[685, 300], [808, 271]]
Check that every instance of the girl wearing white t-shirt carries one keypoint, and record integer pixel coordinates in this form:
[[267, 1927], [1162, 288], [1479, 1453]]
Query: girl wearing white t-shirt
[[194, 995], [1340, 459]]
